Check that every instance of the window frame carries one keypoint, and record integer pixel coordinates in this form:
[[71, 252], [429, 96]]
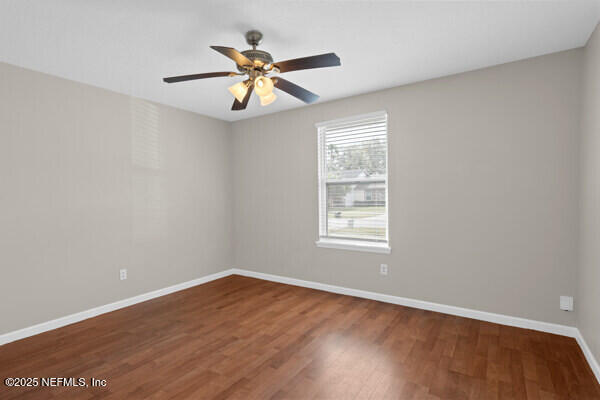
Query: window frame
[[349, 243]]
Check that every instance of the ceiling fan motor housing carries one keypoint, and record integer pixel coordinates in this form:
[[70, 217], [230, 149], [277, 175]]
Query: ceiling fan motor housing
[[255, 55]]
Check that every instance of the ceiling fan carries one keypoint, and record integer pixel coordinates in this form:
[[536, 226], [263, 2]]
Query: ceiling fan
[[257, 65]]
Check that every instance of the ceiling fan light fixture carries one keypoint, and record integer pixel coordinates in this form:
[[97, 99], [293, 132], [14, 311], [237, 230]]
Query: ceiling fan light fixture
[[239, 91], [267, 99], [254, 64], [263, 86]]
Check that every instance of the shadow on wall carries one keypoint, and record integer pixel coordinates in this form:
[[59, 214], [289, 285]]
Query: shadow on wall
[[149, 214]]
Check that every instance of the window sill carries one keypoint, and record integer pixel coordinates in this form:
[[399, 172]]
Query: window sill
[[382, 248]]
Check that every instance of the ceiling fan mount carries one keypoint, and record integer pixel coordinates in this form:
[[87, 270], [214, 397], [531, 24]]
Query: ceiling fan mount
[[257, 65], [254, 38]]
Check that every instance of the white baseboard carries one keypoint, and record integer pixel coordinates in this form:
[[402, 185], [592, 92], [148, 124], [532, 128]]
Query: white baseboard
[[564, 330], [589, 356], [80, 316]]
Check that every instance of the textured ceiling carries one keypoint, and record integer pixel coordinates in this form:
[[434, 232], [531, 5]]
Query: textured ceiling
[[129, 45]]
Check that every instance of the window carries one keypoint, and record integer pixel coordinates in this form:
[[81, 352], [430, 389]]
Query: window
[[353, 180]]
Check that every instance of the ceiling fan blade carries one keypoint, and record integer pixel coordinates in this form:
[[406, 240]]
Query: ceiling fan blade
[[242, 106], [182, 78], [295, 90], [235, 55], [320, 61]]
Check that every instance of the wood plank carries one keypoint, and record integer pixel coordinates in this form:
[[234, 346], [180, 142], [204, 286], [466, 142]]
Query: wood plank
[[243, 338]]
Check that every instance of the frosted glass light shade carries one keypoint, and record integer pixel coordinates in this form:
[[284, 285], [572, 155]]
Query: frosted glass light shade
[[268, 99], [263, 86], [239, 90]]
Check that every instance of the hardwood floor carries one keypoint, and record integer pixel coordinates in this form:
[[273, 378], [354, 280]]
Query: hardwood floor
[[243, 338]]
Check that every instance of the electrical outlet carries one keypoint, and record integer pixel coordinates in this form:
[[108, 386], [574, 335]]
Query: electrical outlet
[[123, 274], [383, 269], [566, 303]]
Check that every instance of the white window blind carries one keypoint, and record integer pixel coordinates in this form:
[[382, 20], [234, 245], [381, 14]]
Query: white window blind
[[353, 179]]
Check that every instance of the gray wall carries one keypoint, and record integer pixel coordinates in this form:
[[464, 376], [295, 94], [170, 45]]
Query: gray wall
[[484, 193], [92, 181], [484, 190], [588, 304]]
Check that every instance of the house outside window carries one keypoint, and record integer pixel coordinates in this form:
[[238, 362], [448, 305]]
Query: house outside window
[[353, 183]]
